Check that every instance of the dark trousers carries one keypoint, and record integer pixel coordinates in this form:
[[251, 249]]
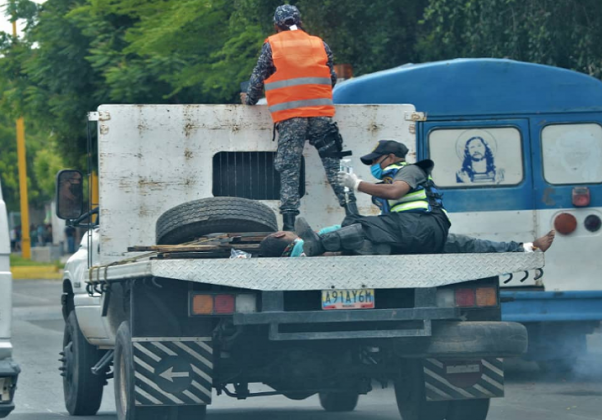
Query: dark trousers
[[406, 233]]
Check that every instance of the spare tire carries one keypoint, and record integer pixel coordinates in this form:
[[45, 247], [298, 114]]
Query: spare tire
[[193, 219]]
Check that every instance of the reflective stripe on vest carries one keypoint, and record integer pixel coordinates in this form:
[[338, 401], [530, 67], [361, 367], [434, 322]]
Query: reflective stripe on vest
[[415, 199], [298, 104], [299, 81], [301, 86]]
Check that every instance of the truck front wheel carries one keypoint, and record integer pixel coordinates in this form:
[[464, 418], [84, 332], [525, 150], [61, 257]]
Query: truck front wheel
[[125, 382], [338, 401], [82, 389]]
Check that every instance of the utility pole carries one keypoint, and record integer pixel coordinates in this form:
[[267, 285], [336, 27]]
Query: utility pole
[[25, 238]]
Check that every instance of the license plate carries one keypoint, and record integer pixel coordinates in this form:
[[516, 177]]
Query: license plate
[[348, 299]]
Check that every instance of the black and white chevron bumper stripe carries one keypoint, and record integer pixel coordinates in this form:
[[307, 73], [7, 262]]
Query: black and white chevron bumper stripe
[[454, 380], [172, 371]]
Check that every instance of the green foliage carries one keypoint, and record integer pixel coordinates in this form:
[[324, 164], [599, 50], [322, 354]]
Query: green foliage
[[78, 54], [564, 33]]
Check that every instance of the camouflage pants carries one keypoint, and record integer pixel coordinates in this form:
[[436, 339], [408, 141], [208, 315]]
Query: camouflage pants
[[292, 134]]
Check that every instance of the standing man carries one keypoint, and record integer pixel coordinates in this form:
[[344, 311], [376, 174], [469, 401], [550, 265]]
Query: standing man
[[412, 218], [297, 72]]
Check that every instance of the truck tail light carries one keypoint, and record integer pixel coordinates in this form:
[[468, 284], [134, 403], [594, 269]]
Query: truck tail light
[[581, 196], [224, 304], [592, 223], [565, 223], [486, 296], [221, 303], [465, 298], [202, 305]]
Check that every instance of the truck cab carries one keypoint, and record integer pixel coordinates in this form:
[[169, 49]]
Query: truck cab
[[9, 370]]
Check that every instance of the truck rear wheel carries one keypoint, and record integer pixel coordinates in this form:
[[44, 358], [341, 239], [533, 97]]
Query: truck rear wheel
[[338, 401], [124, 388], [193, 219], [82, 389], [409, 394], [468, 409]]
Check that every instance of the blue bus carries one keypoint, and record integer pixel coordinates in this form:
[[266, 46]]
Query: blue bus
[[518, 152]]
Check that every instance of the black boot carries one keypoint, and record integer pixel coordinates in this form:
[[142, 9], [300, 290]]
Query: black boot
[[288, 221], [311, 240], [348, 238]]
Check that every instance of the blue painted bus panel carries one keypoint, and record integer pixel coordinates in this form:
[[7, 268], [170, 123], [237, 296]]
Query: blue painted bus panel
[[533, 306], [470, 87], [487, 93], [481, 93]]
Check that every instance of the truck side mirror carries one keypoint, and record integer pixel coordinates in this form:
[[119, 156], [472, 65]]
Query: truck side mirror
[[69, 194]]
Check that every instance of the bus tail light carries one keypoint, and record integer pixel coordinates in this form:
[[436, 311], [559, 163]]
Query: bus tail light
[[565, 223], [581, 196], [592, 223]]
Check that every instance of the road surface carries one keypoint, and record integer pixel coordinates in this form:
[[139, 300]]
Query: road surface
[[37, 338]]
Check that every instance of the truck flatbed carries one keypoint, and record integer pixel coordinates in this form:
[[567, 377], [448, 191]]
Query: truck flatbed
[[336, 272]]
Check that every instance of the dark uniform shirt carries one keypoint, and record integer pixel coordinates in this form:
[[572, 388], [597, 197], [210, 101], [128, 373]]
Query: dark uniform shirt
[[265, 68]]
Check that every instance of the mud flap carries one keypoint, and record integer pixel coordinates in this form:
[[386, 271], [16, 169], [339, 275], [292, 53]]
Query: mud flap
[[446, 380], [172, 371]]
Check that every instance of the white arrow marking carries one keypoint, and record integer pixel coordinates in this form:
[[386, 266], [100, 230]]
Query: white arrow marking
[[169, 374]]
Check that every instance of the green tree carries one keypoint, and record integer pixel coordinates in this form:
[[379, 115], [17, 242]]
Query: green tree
[[564, 33]]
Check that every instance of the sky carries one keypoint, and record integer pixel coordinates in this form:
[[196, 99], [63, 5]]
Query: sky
[[5, 24]]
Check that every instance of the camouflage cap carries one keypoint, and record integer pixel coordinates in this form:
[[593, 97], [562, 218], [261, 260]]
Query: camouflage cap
[[287, 12]]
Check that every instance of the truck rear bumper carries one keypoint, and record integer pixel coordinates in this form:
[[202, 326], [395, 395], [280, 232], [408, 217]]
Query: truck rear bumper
[[9, 372], [349, 324], [467, 340]]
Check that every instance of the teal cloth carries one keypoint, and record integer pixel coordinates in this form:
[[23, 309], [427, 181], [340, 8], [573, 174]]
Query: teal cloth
[[298, 248]]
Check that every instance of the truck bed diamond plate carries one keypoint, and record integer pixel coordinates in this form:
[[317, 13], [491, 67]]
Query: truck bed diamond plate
[[355, 272]]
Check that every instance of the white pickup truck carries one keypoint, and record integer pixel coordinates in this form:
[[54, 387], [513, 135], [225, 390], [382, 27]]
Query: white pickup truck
[[9, 370], [172, 323]]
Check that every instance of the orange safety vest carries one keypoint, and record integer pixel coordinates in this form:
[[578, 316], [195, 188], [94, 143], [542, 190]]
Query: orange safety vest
[[301, 85]]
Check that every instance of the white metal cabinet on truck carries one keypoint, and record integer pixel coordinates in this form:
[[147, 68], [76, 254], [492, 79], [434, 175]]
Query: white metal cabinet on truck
[[9, 370], [175, 327]]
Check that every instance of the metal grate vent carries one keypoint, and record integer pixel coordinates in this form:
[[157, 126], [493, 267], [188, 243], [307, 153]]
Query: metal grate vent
[[249, 175]]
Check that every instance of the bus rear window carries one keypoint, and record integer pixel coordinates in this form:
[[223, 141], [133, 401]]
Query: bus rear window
[[572, 153], [476, 157]]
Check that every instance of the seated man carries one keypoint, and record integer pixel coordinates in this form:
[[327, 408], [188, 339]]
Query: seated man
[[412, 220], [288, 244]]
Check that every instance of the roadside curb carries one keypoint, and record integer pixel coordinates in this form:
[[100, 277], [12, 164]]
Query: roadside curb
[[43, 272]]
